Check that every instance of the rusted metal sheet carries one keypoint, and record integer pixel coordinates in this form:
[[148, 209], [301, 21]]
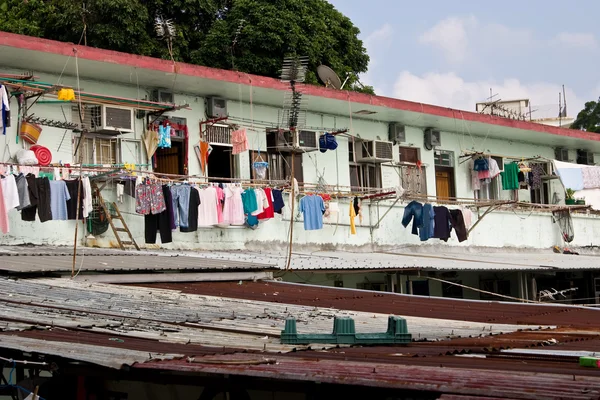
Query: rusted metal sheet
[[393, 303], [460, 381]]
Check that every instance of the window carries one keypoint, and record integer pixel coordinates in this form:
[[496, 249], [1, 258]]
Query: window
[[409, 154], [280, 166], [412, 179], [443, 158], [107, 150], [363, 175], [96, 150], [220, 134]]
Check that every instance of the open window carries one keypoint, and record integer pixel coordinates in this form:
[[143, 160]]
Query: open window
[[97, 149], [363, 175]]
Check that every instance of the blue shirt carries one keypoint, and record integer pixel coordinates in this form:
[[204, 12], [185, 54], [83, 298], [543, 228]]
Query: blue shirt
[[59, 194], [313, 208]]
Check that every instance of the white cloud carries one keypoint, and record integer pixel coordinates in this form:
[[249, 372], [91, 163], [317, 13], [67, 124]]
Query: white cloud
[[376, 43], [577, 39], [381, 35], [450, 90], [451, 36]]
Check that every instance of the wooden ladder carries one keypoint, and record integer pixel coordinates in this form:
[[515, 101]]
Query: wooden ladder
[[119, 217]]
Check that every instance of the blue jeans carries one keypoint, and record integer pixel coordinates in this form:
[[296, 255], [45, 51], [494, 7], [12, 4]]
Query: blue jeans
[[181, 204], [414, 212], [426, 230]]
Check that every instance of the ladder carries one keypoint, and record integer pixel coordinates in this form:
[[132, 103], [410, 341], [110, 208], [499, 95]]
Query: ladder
[[117, 217]]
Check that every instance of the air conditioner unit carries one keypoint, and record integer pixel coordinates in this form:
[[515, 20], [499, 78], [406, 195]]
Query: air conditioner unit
[[280, 140], [107, 119], [433, 138], [585, 157], [216, 107], [397, 133], [163, 96], [374, 151], [561, 154], [117, 120]]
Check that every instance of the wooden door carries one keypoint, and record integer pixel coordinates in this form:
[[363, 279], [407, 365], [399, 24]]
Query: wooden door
[[442, 184]]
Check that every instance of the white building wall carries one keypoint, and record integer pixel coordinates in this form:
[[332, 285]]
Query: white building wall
[[522, 229]]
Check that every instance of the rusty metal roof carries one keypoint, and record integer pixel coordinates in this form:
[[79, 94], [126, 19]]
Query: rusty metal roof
[[394, 303], [468, 380], [160, 327]]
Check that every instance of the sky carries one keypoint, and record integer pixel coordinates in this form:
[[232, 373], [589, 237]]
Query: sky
[[451, 53]]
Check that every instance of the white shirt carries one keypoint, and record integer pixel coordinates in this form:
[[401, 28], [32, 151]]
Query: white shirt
[[10, 192]]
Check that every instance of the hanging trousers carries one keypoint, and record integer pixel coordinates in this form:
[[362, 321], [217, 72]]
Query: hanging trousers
[[154, 223]]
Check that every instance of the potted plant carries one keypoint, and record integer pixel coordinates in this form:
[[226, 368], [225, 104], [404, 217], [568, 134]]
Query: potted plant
[[570, 196], [580, 202]]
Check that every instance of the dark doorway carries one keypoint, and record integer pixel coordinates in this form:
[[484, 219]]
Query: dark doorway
[[220, 162], [420, 288], [171, 160]]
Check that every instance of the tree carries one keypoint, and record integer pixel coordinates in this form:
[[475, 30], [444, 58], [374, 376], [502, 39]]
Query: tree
[[588, 119], [252, 36]]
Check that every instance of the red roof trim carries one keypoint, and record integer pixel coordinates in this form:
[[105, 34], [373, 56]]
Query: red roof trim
[[114, 57]]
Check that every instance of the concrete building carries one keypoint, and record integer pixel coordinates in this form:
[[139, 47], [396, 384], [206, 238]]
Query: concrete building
[[397, 129]]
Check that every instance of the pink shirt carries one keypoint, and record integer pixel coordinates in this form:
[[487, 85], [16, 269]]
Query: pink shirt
[[233, 210]]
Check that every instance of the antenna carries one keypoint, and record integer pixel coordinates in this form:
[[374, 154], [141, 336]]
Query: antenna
[[293, 71], [329, 77], [235, 39], [165, 29]]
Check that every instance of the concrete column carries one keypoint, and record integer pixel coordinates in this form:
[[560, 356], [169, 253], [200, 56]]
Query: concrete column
[[410, 286], [526, 285]]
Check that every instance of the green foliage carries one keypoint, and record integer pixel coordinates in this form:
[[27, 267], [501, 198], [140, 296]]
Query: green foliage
[[570, 193], [251, 36], [589, 118]]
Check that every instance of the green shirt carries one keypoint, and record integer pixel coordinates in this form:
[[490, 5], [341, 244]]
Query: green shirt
[[510, 177]]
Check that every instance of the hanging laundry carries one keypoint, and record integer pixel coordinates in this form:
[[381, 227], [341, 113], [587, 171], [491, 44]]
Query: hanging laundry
[[151, 141], [120, 189], [233, 208], [268, 212], [44, 199], [278, 203], [4, 225], [220, 199], [87, 197], [313, 208], [239, 140], [442, 223], [481, 164], [164, 135], [510, 177], [327, 142], [180, 195], [194, 203], [159, 222], [207, 212], [458, 223], [249, 200], [352, 219], [76, 191], [28, 213], [23, 190], [537, 171], [413, 212], [149, 199], [4, 109], [59, 194], [427, 229], [261, 202], [203, 151], [10, 192]]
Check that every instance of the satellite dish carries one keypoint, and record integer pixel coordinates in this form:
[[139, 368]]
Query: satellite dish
[[329, 77]]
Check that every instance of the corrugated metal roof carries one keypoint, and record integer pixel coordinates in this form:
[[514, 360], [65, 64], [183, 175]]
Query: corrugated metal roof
[[119, 325], [468, 381], [436, 261], [394, 303], [122, 263]]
